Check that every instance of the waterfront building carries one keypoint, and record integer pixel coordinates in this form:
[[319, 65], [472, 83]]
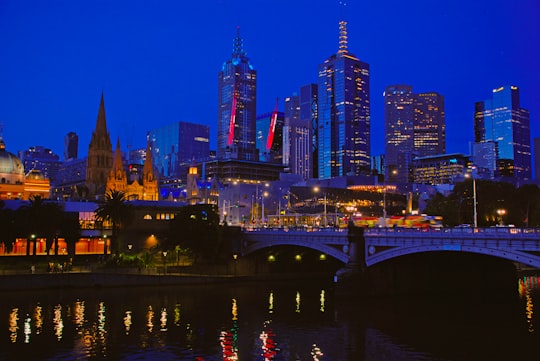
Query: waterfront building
[[71, 146], [237, 111], [414, 127], [502, 120], [176, 145], [14, 183], [42, 159], [440, 169], [100, 157], [343, 129]]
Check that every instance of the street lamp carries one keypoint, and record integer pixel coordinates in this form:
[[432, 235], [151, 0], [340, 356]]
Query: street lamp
[[475, 215], [165, 262], [264, 195], [501, 212], [316, 189]]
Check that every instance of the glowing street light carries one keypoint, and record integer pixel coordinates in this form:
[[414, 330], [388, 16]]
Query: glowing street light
[[316, 190], [475, 215], [501, 212]]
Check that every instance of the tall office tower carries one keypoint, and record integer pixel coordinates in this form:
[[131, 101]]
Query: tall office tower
[[429, 124], [343, 129], [414, 127], [269, 127], [71, 146], [309, 116], [100, 156], [398, 131], [177, 145], [237, 111], [502, 120], [537, 159]]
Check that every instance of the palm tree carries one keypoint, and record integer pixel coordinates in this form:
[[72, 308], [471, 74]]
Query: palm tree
[[71, 231], [116, 211], [43, 220]]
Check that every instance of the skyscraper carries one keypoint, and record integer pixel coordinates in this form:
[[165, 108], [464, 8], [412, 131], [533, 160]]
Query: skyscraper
[[71, 146], [270, 136], [414, 127], [343, 129], [502, 120], [176, 145], [237, 111], [398, 131]]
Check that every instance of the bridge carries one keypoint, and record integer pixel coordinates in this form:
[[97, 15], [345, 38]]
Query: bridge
[[381, 244]]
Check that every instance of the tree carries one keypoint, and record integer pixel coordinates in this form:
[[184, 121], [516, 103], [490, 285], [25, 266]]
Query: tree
[[197, 228], [8, 227], [71, 231], [118, 212], [42, 220]]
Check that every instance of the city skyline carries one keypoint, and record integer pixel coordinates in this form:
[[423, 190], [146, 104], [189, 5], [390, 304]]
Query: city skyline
[[158, 64]]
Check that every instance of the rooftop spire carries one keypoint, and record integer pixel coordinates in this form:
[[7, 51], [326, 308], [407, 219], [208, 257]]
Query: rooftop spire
[[238, 45], [101, 123], [2, 144], [343, 37]]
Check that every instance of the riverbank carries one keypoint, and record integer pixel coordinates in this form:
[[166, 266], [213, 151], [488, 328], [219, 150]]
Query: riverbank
[[15, 282]]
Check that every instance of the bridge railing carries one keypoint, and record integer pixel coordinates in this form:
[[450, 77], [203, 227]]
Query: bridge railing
[[506, 232]]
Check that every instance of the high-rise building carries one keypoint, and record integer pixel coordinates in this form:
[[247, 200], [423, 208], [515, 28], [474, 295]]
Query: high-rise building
[[100, 156], [175, 146], [398, 131], [537, 159], [71, 146], [343, 129], [270, 136], [502, 120], [429, 124], [414, 127], [309, 118], [237, 111], [42, 159]]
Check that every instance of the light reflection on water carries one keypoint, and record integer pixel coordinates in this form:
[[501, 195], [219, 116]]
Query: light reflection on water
[[290, 321]]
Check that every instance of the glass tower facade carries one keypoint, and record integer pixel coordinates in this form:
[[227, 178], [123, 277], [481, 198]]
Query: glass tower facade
[[502, 120], [237, 111], [414, 126], [177, 145], [343, 129]]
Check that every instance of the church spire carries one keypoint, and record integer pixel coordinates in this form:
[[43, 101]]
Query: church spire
[[101, 122], [117, 161]]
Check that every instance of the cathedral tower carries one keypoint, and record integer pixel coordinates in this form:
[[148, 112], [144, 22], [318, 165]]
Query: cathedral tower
[[100, 157]]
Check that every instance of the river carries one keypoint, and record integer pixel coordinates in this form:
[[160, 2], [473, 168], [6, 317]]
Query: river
[[266, 320]]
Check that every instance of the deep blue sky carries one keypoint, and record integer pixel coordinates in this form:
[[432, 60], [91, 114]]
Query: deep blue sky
[[157, 61]]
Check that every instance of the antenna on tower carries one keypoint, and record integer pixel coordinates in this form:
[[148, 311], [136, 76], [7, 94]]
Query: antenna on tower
[[343, 43]]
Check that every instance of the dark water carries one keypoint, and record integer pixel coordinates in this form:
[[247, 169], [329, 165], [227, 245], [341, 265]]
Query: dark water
[[294, 320]]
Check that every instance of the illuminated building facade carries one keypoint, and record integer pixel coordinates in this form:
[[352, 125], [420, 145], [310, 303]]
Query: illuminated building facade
[[343, 129], [270, 136], [414, 126], [440, 169], [14, 183], [100, 157], [237, 111], [502, 120], [139, 186], [42, 159], [177, 145]]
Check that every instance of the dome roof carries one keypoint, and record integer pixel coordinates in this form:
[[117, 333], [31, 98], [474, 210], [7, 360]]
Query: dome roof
[[11, 166], [35, 174]]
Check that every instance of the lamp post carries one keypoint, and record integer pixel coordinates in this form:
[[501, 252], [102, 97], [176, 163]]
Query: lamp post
[[475, 215], [264, 195], [165, 262], [235, 259], [501, 212], [317, 189]]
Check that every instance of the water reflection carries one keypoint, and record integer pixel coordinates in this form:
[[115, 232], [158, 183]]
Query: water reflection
[[255, 322]]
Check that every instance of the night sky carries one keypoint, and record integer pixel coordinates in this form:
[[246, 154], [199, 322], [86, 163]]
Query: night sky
[[157, 61]]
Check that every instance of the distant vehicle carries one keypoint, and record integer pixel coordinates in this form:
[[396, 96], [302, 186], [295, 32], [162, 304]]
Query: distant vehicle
[[464, 226]]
